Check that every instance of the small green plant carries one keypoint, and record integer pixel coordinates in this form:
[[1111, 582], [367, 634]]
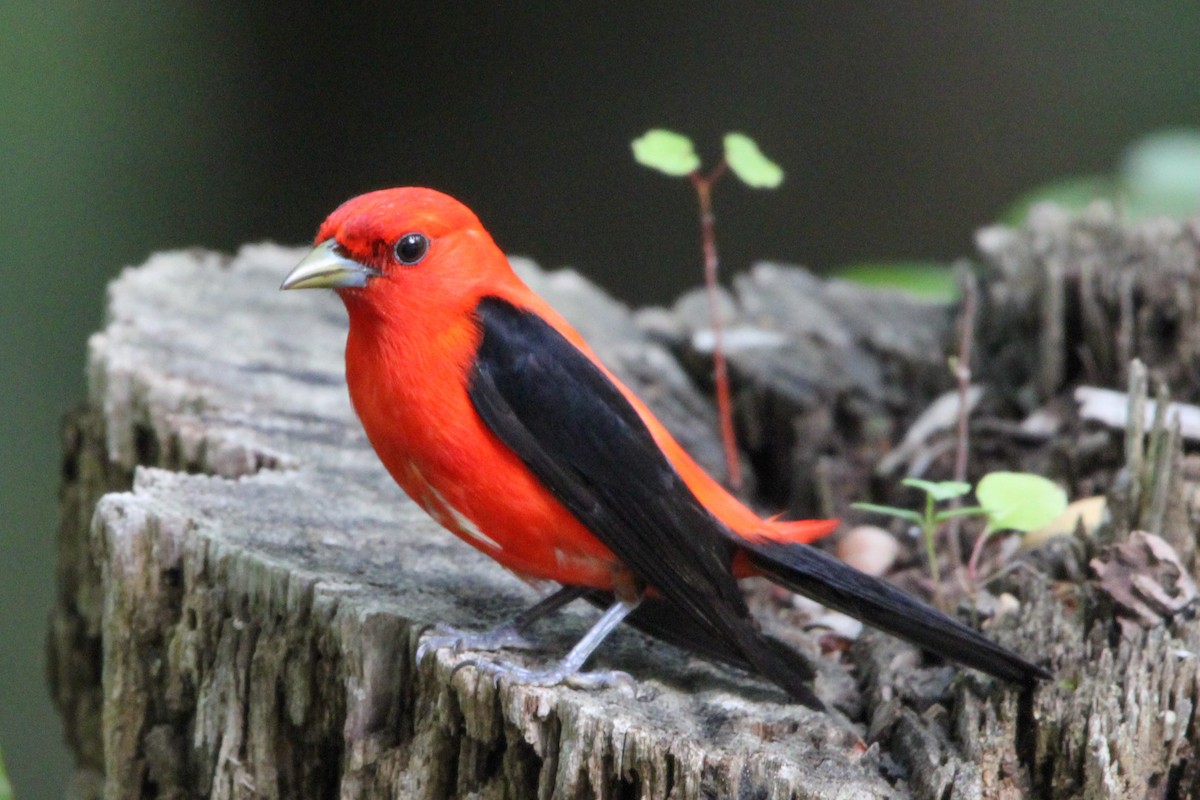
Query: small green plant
[[6, 792], [673, 154], [1159, 174], [1016, 501], [929, 520]]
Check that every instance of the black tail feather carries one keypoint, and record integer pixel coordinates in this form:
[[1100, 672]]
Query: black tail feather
[[827, 580]]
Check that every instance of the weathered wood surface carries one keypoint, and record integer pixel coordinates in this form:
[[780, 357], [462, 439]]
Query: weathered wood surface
[[242, 586]]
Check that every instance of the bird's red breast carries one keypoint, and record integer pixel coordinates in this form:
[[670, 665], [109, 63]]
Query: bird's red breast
[[409, 353]]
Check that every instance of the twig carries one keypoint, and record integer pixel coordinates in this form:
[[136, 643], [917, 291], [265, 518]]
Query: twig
[[962, 371], [704, 184]]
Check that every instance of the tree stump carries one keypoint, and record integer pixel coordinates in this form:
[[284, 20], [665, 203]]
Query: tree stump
[[242, 587]]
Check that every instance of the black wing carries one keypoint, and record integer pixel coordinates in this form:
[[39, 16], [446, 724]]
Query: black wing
[[579, 435]]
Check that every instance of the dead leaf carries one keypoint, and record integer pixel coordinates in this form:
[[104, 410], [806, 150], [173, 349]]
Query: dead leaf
[[1144, 578]]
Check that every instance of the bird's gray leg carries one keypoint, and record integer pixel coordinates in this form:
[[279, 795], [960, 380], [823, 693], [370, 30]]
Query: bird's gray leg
[[510, 634], [567, 670]]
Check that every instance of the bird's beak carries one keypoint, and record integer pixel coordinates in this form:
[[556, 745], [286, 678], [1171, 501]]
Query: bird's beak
[[326, 268]]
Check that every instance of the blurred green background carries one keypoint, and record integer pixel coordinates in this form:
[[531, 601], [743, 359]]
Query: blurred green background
[[129, 128]]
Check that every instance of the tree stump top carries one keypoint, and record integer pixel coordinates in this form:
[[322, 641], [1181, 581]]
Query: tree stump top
[[242, 587], [265, 582]]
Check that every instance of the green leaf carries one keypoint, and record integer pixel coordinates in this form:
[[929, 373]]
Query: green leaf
[[951, 513], [940, 490], [1160, 173], [902, 513], [748, 163], [1074, 194], [1019, 501], [6, 791], [926, 279], [666, 151]]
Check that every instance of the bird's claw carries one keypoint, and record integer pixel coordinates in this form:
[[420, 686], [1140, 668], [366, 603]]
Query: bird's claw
[[441, 637], [558, 675]]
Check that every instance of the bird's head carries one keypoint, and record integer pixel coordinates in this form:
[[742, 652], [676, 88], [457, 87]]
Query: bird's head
[[398, 250]]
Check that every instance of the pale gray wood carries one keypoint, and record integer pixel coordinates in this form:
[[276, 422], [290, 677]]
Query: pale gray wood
[[255, 624], [241, 585]]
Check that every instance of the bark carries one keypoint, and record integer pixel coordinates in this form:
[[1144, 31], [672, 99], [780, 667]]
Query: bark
[[242, 587]]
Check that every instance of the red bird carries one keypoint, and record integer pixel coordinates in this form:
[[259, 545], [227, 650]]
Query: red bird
[[493, 414]]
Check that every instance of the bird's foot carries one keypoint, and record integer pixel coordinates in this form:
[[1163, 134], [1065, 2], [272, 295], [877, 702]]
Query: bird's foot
[[441, 637], [563, 673], [566, 671]]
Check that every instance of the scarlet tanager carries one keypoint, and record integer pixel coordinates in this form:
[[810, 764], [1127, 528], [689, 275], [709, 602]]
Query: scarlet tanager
[[494, 415]]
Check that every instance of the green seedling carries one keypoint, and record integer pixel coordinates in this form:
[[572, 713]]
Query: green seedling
[[1159, 174], [930, 519], [1016, 501], [673, 154]]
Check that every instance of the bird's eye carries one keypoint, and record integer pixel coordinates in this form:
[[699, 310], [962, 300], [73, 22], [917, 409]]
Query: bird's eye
[[411, 248]]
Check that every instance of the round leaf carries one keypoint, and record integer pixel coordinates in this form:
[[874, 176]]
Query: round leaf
[[749, 164], [666, 151], [1161, 173], [1019, 501]]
